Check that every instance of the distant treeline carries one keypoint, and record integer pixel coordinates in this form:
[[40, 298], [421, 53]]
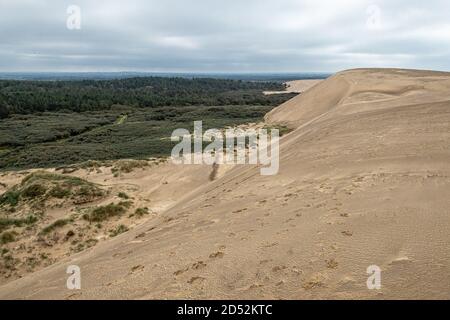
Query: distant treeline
[[28, 97]]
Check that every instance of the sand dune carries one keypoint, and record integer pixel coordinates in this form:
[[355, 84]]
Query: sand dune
[[364, 180], [296, 86]]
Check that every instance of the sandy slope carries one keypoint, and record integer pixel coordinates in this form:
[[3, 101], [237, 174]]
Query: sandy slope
[[296, 86], [364, 180]]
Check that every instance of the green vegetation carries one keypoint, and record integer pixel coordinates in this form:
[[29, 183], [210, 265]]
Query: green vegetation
[[141, 212], [5, 223], [7, 237], [42, 185], [283, 129], [105, 212], [127, 166], [120, 229], [123, 195], [55, 225], [33, 191], [52, 124], [26, 97], [37, 141], [9, 262], [10, 198], [53, 177], [59, 192]]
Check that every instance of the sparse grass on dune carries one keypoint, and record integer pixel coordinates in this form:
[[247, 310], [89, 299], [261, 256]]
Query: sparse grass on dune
[[127, 166], [7, 237], [141, 212], [55, 225], [53, 177], [105, 212], [118, 230], [282, 129], [11, 198], [5, 223], [41, 186]]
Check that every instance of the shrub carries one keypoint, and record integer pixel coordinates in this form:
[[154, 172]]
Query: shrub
[[55, 225], [120, 229], [123, 195], [59, 192], [126, 204], [89, 191], [7, 237], [7, 222], [127, 166], [282, 129], [70, 234], [10, 197], [141, 212], [34, 191], [52, 177], [105, 212]]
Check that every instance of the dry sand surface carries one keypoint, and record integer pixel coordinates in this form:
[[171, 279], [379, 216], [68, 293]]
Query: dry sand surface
[[296, 86], [364, 180]]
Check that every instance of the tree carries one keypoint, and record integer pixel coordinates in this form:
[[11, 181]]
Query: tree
[[4, 111]]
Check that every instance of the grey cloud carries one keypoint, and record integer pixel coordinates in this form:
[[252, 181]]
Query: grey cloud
[[211, 35]]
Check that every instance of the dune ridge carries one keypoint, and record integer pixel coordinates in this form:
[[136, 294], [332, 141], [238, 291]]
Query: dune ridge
[[364, 180]]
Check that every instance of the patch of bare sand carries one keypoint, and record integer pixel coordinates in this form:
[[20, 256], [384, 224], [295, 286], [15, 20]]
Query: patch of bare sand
[[364, 180], [296, 86]]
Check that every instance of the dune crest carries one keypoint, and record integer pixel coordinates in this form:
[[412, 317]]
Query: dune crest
[[364, 180]]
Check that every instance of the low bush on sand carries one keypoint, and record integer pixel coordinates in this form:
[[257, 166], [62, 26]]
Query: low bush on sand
[[55, 225], [103, 213]]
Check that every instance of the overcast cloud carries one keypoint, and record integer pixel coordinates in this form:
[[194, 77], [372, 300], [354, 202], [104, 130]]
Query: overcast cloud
[[224, 36]]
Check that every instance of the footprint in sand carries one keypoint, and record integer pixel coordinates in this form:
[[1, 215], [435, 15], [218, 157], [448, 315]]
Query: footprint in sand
[[315, 281], [278, 268], [250, 287], [262, 202], [270, 245], [196, 279], [280, 283], [73, 296], [181, 271], [216, 255], [137, 268], [198, 265], [332, 263]]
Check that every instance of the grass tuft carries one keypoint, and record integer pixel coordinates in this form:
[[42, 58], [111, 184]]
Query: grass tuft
[[119, 230], [55, 225], [7, 237], [105, 212]]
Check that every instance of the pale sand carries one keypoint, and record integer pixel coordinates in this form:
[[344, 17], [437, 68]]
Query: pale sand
[[296, 86], [364, 180]]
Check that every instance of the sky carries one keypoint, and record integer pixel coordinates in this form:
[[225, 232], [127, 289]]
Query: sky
[[223, 36]]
